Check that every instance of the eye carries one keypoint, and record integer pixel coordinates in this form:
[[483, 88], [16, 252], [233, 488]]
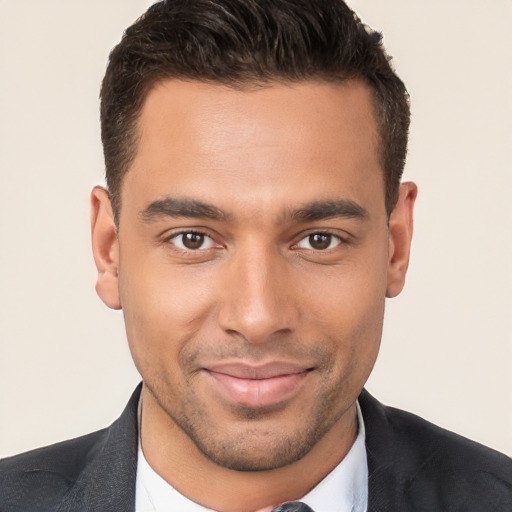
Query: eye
[[192, 241], [319, 241]]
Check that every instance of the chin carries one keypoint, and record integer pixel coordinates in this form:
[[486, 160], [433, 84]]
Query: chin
[[261, 448], [262, 457]]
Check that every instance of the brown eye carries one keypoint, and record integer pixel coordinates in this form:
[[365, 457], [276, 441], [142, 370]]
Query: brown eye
[[192, 241], [319, 242]]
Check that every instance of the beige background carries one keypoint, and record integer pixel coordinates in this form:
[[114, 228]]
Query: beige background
[[447, 350]]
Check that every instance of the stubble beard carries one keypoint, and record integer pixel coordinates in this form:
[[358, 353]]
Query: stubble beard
[[252, 447], [256, 438]]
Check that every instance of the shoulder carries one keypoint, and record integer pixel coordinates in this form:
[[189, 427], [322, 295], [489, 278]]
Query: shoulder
[[445, 449], [432, 465], [46, 473], [90, 473]]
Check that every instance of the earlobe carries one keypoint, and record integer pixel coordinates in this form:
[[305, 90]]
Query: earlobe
[[400, 236], [105, 247]]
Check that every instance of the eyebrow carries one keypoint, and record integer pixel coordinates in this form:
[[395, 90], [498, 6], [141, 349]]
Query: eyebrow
[[191, 208], [172, 207], [320, 210]]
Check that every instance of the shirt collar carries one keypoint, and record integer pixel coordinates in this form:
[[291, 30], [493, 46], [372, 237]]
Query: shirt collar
[[345, 488]]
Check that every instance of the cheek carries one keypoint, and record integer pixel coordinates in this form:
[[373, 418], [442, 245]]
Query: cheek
[[350, 294], [349, 310], [163, 309]]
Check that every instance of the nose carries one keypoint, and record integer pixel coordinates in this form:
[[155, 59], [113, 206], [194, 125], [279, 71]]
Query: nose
[[258, 301]]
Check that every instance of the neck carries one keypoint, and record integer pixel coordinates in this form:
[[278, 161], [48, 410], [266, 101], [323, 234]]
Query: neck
[[173, 455]]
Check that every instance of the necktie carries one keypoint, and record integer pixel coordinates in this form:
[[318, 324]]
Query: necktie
[[293, 506]]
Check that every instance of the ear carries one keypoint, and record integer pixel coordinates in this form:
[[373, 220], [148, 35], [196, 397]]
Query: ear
[[105, 247], [400, 236]]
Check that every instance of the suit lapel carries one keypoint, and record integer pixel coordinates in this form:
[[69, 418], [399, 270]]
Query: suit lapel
[[384, 483], [107, 483]]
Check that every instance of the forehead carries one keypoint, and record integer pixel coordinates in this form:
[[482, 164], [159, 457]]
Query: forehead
[[267, 142]]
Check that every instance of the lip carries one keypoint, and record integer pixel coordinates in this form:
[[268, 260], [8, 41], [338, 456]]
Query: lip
[[257, 386]]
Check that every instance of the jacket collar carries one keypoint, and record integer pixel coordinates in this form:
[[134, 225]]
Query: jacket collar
[[384, 486], [107, 483]]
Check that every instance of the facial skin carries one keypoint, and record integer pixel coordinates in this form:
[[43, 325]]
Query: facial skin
[[252, 263]]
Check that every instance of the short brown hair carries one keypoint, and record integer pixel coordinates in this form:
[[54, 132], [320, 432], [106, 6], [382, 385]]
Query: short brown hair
[[241, 42]]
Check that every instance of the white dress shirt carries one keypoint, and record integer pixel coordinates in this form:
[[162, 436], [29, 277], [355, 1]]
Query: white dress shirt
[[344, 489]]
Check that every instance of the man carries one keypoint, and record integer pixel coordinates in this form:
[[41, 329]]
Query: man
[[253, 225]]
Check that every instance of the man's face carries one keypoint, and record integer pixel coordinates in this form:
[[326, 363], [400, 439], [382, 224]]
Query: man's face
[[253, 263]]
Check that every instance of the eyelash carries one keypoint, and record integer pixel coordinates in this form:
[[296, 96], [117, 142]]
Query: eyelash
[[334, 238], [171, 239], [339, 240]]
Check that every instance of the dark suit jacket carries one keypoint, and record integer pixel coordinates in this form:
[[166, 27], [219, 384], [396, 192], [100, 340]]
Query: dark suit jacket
[[413, 466]]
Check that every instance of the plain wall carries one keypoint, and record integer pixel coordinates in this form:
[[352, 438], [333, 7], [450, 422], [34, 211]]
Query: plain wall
[[65, 368]]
